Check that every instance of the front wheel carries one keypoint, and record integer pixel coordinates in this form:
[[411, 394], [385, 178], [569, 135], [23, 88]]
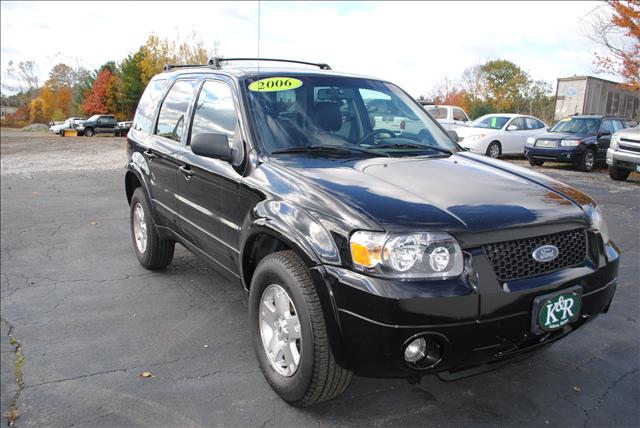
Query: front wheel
[[587, 161], [88, 132], [535, 162], [619, 174], [494, 150], [289, 333]]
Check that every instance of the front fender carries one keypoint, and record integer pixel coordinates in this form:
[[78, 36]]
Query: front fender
[[298, 227]]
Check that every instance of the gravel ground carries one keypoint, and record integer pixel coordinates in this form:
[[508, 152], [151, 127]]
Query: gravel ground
[[87, 320]]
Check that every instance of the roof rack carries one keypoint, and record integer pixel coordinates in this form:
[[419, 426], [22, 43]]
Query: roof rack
[[169, 67], [216, 62]]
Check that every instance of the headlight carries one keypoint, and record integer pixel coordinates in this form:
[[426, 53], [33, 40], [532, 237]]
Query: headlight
[[570, 143], [615, 141], [597, 221], [530, 141], [471, 138], [415, 255]]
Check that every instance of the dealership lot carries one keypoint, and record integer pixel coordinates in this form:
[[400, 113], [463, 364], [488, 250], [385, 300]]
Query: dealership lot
[[90, 320]]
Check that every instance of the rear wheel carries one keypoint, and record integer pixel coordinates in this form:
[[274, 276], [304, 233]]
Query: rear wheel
[[619, 174], [587, 161], [494, 150], [152, 252], [289, 334]]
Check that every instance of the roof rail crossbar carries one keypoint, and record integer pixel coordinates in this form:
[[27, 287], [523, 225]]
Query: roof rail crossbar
[[216, 62], [168, 67]]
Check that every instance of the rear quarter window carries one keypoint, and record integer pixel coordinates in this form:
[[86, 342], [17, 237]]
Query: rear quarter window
[[143, 119]]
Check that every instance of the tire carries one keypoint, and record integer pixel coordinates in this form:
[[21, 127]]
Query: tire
[[587, 161], [317, 377], [619, 174], [494, 150], [88, 132], [535, 162], [155, 253]]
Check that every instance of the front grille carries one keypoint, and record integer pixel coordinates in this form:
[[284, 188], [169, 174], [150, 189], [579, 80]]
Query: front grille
[[629, 145], [546, 143], [513, 260]]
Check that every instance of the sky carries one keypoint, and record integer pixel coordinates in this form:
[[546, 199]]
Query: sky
[[413, 44]]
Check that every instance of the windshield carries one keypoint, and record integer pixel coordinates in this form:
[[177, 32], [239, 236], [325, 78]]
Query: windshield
[[358, 116], [94, 117], [575, 125], [490, 122]]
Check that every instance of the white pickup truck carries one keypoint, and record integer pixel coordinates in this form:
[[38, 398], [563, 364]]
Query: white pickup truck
[[450, 117]]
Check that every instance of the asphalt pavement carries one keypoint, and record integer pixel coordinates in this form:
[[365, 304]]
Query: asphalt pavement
[[88, 321]]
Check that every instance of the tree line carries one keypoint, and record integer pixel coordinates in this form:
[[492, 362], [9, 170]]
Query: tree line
[[495, 86], [114, 88]]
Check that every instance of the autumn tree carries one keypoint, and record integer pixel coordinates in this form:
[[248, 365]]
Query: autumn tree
[[157, 52], [98, 100], [61, 75], [615, 27]]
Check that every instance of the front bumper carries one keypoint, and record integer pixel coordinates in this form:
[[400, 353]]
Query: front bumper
[[623, 159], [554, 154], [474, 324]]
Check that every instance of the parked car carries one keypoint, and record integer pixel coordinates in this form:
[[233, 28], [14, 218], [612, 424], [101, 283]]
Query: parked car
[[623, 154], [500, 134], [123, 128], [99, 124], [70, 123], [581, 140], [362, 251], [450, 117]]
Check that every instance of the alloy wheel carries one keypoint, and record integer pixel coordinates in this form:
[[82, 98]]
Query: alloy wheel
[[139, 228], [280, 330]]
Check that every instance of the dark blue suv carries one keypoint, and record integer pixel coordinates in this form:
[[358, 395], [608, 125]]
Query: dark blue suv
[[581, 140]]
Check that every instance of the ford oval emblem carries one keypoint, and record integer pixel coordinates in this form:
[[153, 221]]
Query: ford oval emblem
[[545, 253]]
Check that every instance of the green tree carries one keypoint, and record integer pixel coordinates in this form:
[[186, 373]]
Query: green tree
[[130, 84], [504, 84]]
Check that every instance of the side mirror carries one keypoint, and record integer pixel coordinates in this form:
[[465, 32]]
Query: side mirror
[[454, 135], [604, 134], [211, 145], [512, 128]]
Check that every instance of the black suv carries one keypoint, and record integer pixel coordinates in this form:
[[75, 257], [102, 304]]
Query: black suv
[[99, 124], [581, 140], [363, 251]]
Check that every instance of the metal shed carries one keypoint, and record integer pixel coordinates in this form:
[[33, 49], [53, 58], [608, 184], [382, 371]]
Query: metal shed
[[592, 95]]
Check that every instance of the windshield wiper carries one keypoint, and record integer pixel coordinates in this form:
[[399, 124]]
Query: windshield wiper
[[327, 148], [414, 146]]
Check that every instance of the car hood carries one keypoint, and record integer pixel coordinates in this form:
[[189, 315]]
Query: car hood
[[467, 131], [562, 136], [460, 192]]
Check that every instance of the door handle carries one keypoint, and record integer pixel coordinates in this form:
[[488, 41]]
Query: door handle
[[149, 155], [187, 172]]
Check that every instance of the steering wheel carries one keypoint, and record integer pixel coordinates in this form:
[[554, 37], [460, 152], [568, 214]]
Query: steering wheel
[[376, 132]]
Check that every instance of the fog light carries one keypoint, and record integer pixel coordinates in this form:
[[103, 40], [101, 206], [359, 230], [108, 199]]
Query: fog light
[[415, 350]]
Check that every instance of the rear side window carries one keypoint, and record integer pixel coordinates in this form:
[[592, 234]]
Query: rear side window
[[215, 111], [143, 120], [173, 112], [437, 112], [459, 115]]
